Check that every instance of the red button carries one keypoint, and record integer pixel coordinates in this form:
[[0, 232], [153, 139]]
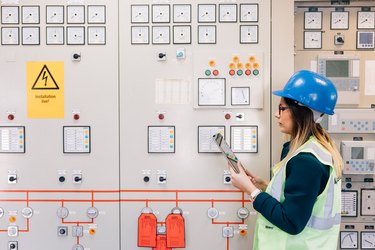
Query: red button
[[227, 116], [11, 117], [248, 72], [161, 116], [76, 116], [231, 72], [215, 72]]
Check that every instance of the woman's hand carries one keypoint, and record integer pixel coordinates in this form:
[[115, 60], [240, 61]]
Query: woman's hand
[[242, 181], [256, 180]]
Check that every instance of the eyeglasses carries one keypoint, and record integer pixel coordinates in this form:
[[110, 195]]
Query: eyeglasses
[[282, 108]]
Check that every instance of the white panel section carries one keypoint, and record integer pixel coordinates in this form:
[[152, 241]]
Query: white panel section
[[370, 77]]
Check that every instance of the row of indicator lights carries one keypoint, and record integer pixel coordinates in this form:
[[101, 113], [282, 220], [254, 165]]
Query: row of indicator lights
[[11, 117], [232, 72]]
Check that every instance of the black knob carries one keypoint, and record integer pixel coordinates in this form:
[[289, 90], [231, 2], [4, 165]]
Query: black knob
[[161, 178], [61, 178], [62, 231], [162, 55], [348, 185], [340, 39], [239, 116], [76, 56], [12, 246], [77, 179], [146, 179], [227, 179], [12, 178]]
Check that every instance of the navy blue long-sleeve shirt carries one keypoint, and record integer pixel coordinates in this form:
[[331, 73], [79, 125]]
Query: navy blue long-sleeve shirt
[[306, 178]]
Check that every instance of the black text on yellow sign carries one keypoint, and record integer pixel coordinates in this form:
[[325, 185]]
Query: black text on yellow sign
[[45, 89]]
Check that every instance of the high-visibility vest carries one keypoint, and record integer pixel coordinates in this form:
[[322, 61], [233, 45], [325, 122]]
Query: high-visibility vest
[[322, 229]]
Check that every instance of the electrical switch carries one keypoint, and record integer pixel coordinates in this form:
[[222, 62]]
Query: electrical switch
[[228, 232], [162, 56], [62, 179], [227, 179], [339, 39], [77, 231], [13, 231], [12, 245], [62, 231], [162, 179], [180, 54], [77, 178], [76, 56], [12, 178]]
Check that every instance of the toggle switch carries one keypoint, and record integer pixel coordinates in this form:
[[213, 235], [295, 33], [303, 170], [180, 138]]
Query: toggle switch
[[339, 39], [162, 179], [12, 245], [162, 56], [77, 178], [76, 56], [227, 179], [62, 231], [12, 178]]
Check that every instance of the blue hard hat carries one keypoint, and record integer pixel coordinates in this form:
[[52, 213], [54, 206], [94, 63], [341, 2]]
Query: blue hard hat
[[312, 90]]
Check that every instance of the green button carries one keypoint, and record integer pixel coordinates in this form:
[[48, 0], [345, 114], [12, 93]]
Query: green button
[[207, 72], [256, 72], [239, 72]]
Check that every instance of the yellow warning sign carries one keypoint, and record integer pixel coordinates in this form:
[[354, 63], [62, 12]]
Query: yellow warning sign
[[45, 89]]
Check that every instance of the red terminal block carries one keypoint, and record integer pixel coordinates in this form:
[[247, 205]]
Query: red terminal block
[[215, 72], [161, 116], [227, 116], [76, 116], [11, 117]]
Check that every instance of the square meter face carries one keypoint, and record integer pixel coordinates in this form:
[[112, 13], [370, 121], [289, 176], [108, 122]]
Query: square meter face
[[211, 92]]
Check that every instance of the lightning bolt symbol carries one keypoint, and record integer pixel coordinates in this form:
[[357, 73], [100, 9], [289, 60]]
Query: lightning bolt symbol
[[45, 78]]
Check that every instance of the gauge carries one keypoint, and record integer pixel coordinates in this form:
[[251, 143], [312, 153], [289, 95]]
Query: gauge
[[140, 13], [207, 34], [96, 14], [75, 14], [181, 34], [10, 36], [313, 20], [211, 92], [366, 19], [30, 14], [182, 13], [367, 240], [249, 34], [206, 13], [160, 35], [340, 20], [75, 35], [55, 35], [348, 240], [312, 40], [9, 15], [55, 14], [227, 13], [240, 96], [96, 35], [160, 13], [140, 35], [248, 12], [30, 36]]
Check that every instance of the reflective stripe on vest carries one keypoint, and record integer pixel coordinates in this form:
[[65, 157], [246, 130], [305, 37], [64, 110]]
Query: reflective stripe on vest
[[324, 157]]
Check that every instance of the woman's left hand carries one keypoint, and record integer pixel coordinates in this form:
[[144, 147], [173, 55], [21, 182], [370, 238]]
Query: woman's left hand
[[241, 180]]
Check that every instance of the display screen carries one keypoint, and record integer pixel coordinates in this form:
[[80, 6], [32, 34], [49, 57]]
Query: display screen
[[337, 68], [357, 153]]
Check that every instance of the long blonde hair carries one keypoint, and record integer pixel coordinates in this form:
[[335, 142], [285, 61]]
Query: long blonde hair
[[304, 126]]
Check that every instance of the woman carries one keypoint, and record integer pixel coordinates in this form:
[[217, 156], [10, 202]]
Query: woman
[[300, 208]]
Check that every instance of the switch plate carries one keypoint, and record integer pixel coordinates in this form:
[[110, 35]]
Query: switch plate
[[12, 245], [78, 180], [162, 179], [62, 231], [228, 232], [12, 176]]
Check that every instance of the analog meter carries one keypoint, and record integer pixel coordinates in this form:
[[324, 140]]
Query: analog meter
[[139, 13], [227, 13], [30, 14], [182, 13], [211, 92], [160, 13], [248, 12], [55, 14], [9, 15], [160, 35], [75, 14], [313, 20], [206, 13], [140, 35], [340, 20], [312, 40], [207, 34], [55, 35], [96, 14], [30, 36], [366, 20], [10, 36], [367, 240], [348, 240]]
